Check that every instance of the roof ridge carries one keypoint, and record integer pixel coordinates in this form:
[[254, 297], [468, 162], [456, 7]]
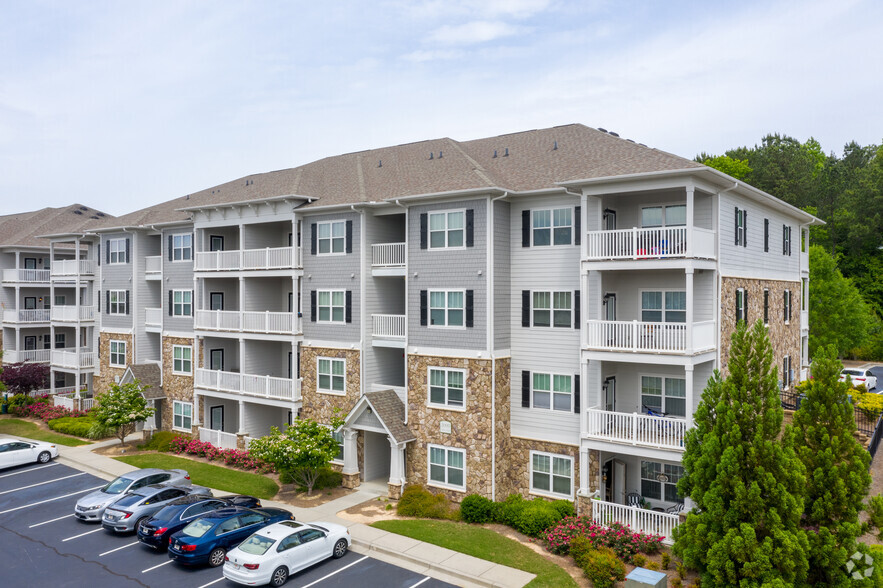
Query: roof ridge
[[477, 167]]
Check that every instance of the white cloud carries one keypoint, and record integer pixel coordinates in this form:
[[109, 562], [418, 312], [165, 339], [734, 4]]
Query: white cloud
[[478, 31]]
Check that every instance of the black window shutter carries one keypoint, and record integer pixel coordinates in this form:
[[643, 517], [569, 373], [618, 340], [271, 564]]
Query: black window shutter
[[171, 302], [576, 393], [470, 296], [423, 308], [789, 242], [349, 237], [525, 228], [349, 306], [424, 228], [577, 225], [470, 227], [107, 251], [766, 235], [576, 324], [525, 389], [128, 257], [784, 242], [127, 298], [312, 305], [785, 305], [745, 302], [736, 226], [525, 308], [171, 244], [313, 238], [744, 228], [99, 254], [107, 301], [99, 299]]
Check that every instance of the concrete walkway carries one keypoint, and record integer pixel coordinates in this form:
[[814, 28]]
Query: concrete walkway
[[423, 558]]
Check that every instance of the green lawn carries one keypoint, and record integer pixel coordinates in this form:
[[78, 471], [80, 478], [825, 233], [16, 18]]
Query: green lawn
[[205, 474], [21, 428], [482, 543]]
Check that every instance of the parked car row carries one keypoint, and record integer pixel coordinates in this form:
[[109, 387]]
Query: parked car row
[[255, 544]]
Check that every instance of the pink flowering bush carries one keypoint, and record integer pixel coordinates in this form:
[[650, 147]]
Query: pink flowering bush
[[232, 457], [45, 411], [623, 541]]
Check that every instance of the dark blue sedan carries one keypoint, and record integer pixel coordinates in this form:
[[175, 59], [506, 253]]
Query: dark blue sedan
[[207, 539], [173, 517]]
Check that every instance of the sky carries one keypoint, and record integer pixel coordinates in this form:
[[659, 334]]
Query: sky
[[121, 105]]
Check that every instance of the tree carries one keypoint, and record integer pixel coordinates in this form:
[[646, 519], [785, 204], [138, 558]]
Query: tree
[[837, 478], [121, 408], [737, 168], [744, 476], [305, 448], [23, 377]]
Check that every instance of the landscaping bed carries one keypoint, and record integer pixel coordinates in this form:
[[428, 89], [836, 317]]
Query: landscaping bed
[[37, 430]]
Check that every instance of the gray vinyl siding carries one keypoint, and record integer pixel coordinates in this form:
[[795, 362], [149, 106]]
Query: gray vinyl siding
[[258, 418], [230, 235], [266, 294], [232, 362], [502, 276], [229, 287], [704, 295], [116, 276], [265, 358], [628, 207], [332, 272], [177, 275], [628, 287], [537, 349], [456, 269], [701, 374], [703, 210], [752, 261], [149, 293], [263, 235]]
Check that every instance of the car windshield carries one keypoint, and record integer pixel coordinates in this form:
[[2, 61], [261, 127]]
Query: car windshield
[[117, 486], [197, 528], [256, 544], [129, 500]]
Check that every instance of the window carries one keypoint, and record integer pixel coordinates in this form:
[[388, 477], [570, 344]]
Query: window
[[182, 247], [117, 302], [666, 396], [766, 235], [660, 481], [118, 353], [786, 372], [332, 306], [553, 227], [332, 237], [551, 474], [668, 307], [332, 375], [59, 340], [183, 415], [552, 391], [182, 359], [182, 302], [552, 309], [741, 227], [446, 387], [116, 251], [447, 229], [786, 305], [446, 308], [803, 283], [447, 467], [60, 300], [674, 215], [338, 436], [741, 303], [786, 240], [766, 306]]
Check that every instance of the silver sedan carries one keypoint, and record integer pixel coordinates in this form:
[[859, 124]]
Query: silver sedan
[[137, 506], [91, 506]]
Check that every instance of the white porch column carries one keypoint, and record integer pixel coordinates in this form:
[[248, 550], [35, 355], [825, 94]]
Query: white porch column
[[241, 430], [197, 414], [150, 423], [350, 452], [688, 342], [689, 251], [688, 374], [584, 481], [396, 462]]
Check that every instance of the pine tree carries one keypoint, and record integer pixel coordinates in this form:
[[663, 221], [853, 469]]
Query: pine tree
[[837, 478], [744, 476]]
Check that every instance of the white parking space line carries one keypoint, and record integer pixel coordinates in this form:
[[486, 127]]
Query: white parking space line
[[83, 534], [211, 583], [322, 579], [29, 470], [159, 566], [118, 548], [43, 483], [49, 521], [50, 499], [420, 582]]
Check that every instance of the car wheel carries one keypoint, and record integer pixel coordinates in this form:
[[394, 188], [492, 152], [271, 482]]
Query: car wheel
[[216, 557], [339, 549], [279, 577], [44, 457], [140, 522]]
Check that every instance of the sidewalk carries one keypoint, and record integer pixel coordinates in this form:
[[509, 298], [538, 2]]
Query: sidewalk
[[417, 556]]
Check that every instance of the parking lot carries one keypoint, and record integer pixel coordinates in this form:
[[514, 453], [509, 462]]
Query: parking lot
[[42, 544]]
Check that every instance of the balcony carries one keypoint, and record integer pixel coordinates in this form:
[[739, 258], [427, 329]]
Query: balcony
[[153, 267], [388, 259], [388, 330], [71, 313], [26, 316], [648, 337], [79, 359], [249, 385], [153, 318], [32, 276], [70, 268], [272, 323], [270, 258], [34, 355], [637, 518], [636, 429], [655, 243]]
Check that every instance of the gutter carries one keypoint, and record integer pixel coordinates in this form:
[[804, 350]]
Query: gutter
[[492, 344]]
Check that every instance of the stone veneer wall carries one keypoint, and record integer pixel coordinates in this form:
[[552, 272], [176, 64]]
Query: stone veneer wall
[[785, 339], [516, 473], [176, 386], [504, 426], [319, 406], [109, 375]]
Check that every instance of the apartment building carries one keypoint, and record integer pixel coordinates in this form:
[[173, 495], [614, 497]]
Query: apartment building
[[534, 313]]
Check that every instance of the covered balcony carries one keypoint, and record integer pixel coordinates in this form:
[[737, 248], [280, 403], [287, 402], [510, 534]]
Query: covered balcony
[[73, 313], [650, 337], [32, 276], [249, 384], [70, 268], [153, 318], [636, 429], [279, 323], [39, 315], [268, 258], [637, 518], [650, 243], [388, 330], [388, 259], [34, 355], [74, 359], [153, 267]]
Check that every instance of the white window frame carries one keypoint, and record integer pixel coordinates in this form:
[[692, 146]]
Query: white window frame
[[117, 349], [331, 238], [60, 338], [447, 405], [116, 250], [182, 247], [180, 415], [182, 304], [551, 474], [429, 464], [740, 310], [665, 221], [552, 227], [117, 303], [786, 372], [672, 482], [786, 240], [331, 375], [663, 310], [663, 392], [446, 230], [786, 306], [552, 392], [331, 306], [182, 361], [447, 309], [740, 227], [553, 309]]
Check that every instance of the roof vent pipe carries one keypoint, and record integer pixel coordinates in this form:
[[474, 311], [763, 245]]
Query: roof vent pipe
[[614, 134], [439, 154], [602, 130], [555, 146], [379, 163], [495, 153], [430, 156], [506, 153]]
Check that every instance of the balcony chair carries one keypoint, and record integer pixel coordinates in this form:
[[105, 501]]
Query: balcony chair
[[634, 499], [676, 509]]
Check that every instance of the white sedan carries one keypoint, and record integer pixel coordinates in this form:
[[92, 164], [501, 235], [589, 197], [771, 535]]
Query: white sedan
[[860, 376], [15, 452], [270, 555]]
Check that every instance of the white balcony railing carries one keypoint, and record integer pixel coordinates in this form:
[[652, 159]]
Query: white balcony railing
[[636, 429], [648, 337], [20, 355], [67, 402], [153, 264], [249, 384], [218, 438], [658, 242], [26, 316], [79, 359], [388, 255], [249, 259], [26, 275], [153, 317], [283, 323], [638, 519], [72, 267], [804, 320], [388, 325], [69, 313]]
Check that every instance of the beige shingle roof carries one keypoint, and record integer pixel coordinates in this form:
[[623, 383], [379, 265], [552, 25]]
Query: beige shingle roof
[[23, 229]]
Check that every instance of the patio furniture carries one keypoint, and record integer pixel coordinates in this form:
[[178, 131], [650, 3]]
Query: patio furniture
[[634, 499], [676, 509]]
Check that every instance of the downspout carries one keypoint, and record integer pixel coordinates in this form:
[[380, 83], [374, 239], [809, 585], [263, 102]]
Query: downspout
[[718, 270], [492, 342], [407, 388], [134, 297], [362, 285]]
